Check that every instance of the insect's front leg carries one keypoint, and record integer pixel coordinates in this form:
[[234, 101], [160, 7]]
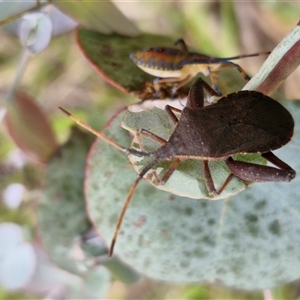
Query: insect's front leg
[[214, 76], [170, 112], [156, 85], [169, 172], [154, 137], [150, 135], [178, 83]]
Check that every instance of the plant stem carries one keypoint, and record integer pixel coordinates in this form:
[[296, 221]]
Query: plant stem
[[23, 61]]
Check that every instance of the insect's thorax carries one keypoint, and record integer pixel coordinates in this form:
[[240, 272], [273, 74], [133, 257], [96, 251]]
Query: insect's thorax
[[190, 138]]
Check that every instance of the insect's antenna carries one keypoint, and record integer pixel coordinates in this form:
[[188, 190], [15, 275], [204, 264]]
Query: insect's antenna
[[98, 134], [127, 201], [247, 55], [216, 60], [127, 151]]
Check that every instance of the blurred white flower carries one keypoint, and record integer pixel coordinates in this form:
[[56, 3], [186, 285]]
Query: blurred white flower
[[13, 195]]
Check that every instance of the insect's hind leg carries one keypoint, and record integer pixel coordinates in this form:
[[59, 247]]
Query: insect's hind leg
[[228, 64], [261, 173], [279, 163]]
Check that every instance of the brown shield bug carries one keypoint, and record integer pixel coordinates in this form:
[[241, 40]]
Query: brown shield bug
[[242, 122], [179, 65]]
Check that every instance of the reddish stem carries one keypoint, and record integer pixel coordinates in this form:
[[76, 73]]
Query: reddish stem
[[287, 64]]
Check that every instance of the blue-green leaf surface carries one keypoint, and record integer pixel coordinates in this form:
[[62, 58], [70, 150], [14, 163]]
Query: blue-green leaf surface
[[248, 241], [61, 210]]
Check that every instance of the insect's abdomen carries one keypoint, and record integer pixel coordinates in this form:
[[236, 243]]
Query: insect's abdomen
[[160, 62]]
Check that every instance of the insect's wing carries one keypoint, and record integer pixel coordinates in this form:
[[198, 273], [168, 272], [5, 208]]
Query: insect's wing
[[243, 122], [257, 123]]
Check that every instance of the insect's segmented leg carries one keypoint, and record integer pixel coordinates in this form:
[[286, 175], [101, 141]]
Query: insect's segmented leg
[[179, 83], [169, 172], [229, 64], [156, 86], [208, 179], [170, 112], [289, 172], [209, 89], [196, 94], [214, 76], [153, 137], [225, 183], [150, 135], [158, 81], [261, 173], [182, 46], [272, 158]]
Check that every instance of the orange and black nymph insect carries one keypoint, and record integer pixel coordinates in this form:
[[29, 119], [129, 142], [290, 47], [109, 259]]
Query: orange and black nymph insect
[[178, 65]]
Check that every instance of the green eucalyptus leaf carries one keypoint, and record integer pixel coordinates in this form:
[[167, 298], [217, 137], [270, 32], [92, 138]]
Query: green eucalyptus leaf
[[93, 246], [61, 211], [97, 282], [109, 54], [101, 16], [121, 270], [248, 241]]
